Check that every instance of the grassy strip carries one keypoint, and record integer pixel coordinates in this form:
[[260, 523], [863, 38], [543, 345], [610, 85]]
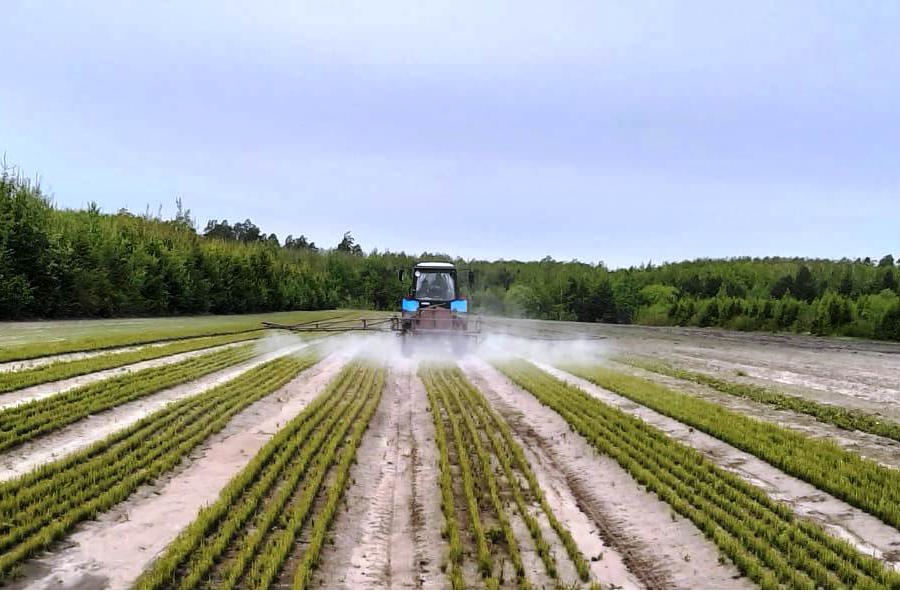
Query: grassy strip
[[763, 538], [194, 553], [259, 569], [42, 506], [268, 563], [244, 538], [846, 475], [153, 330], [838, 416], [17, 380], [323, 520], [511, 455], [24, 422], [451, 381], [473, 424], [44, 349], [484, 559], [450, 531]]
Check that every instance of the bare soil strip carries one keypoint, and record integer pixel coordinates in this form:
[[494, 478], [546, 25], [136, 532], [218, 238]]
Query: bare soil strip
[[864, 381], [873, 447], [85, 432], [387, 534], [112, 551], [632, 535], [867, 533], [44, 390]]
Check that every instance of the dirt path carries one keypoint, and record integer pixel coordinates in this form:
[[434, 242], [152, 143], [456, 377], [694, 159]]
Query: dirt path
[[867, 533], [85, 432], [44, 390], [112, 551], [879, 449], [387, 534], [631, 537]]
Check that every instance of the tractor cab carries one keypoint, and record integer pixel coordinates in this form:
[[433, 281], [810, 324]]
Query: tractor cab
[[434, 284]]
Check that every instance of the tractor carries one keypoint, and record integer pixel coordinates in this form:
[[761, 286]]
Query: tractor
[[435, 307]]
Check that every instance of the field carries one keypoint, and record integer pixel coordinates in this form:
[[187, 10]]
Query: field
[[209, 453]]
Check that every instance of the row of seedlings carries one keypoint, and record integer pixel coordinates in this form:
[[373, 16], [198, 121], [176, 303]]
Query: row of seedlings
[[763, 538], [839, 416], [23, 422], [844, 474], [64, 369], [462, 415], [43, 505], [160, 330], [99, 343], [250, 537]]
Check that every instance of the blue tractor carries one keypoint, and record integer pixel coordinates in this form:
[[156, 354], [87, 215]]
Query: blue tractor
[[436, 307]]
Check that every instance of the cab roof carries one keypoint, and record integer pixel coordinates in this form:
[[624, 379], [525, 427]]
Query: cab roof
[[435, 265]]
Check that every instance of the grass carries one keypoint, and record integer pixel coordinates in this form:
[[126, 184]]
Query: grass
[[42, 506], [844, 418], [822, 463], [56, 371], [244, 539], [763, 538], [19, 341]]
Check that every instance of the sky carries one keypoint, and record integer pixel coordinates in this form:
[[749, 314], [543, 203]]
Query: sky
[[615, 131]]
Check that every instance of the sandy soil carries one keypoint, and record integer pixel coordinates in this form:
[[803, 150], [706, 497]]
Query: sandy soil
[[45, 390], [630, 536], [387, 533], [856, 383], [113, 550], [867, 533], [85, 432], [863, 374], [21, 365], [879, 449]]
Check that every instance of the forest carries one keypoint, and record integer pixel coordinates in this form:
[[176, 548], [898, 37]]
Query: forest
[[58, 263]]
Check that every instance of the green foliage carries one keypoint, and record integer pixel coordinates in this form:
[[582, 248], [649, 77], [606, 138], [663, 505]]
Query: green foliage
[[42, 506], [64, 263], [838, 416], [24, 422], [244, 538], [822, 463], [62, 369], [763, 538], [481, 439], [65, 337]]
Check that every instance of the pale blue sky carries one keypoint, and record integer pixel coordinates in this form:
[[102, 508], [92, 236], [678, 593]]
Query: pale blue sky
[[616, 131]]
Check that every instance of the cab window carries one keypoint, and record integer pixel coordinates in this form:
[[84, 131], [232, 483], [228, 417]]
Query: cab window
[[435, 286]]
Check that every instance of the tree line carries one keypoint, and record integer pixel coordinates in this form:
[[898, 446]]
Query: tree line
[[84, 263]]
